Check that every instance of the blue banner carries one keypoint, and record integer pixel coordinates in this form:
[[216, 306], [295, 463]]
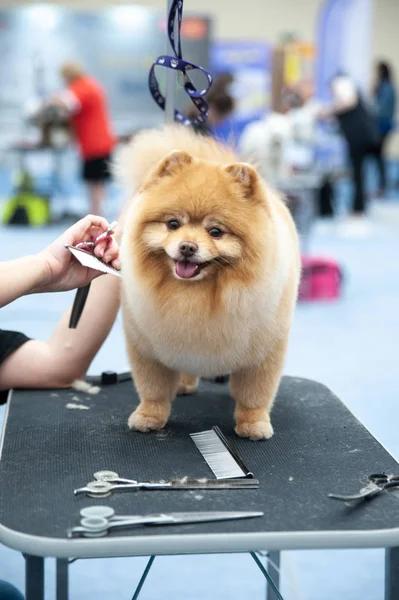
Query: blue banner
[[343, 38], [330, 45]]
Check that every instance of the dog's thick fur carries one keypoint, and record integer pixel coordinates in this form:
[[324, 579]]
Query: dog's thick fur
[[234, 314]]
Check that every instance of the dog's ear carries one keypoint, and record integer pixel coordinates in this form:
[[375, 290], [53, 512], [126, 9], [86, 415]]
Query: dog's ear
[[246, 177], [173, 163], [170, 165]]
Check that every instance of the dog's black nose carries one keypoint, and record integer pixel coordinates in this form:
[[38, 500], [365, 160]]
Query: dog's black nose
[[188, 249]]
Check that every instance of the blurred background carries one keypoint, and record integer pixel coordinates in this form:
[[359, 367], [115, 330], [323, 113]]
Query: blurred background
[[307, 89]]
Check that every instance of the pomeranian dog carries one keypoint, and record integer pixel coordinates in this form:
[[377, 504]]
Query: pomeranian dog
[[210, 272]]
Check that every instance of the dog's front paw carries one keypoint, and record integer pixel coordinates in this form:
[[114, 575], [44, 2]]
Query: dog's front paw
[[142, 420], [260, 430]]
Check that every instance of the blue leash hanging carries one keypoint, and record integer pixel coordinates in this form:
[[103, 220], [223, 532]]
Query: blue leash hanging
[[177, 63]]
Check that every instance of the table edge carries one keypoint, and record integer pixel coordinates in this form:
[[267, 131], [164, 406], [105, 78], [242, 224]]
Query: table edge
[[3, 429], [213, 543]]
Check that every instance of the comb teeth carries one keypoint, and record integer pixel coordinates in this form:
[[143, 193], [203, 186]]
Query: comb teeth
[[90, 260], [221, 459]]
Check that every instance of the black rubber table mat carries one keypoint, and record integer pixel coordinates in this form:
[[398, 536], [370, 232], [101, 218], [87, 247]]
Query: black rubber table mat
[[318, 447]]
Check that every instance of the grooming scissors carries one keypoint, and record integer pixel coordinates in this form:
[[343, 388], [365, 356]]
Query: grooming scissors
[[97, 521], [107, 482], [377, 483]]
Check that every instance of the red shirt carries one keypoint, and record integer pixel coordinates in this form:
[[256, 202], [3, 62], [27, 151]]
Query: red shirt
[[91, 122]]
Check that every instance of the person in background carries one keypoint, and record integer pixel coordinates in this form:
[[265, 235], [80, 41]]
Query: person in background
[[85, 102], [360, 133], [304, 112], [221, 104], [384, 96]]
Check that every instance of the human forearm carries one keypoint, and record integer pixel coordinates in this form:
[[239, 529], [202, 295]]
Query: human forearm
[[68, 353], [20, 277], [74, 349], [329, 112], [345, 105]]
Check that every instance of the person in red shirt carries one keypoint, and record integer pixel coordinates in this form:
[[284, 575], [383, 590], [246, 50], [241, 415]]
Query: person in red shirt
[[86, 103]]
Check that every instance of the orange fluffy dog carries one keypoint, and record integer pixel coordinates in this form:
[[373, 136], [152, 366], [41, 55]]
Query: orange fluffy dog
[[210, 270]]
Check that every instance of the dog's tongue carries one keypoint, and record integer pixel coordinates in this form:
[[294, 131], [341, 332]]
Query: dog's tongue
[[185, 269]]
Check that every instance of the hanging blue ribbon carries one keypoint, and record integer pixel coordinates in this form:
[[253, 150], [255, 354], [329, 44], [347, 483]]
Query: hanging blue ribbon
[[177, 63]]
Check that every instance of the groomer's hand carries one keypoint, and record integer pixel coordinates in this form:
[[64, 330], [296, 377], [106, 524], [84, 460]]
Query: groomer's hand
[[62, 271]]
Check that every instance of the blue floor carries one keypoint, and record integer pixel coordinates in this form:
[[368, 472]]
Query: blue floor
[[349, 345]]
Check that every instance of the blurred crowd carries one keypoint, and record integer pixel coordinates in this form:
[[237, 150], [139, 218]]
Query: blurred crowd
[[282, 142]]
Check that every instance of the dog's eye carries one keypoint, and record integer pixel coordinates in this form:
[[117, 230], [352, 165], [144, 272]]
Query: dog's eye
[[173, 224], [215, 232]]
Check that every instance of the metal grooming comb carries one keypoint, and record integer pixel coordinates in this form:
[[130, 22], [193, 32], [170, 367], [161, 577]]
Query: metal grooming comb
[[220, 456]]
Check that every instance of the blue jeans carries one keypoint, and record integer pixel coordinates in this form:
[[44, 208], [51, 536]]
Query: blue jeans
[[9, 592]]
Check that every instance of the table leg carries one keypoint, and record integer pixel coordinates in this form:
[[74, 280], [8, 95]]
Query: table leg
[[34, 577], [143, 578], [270, 581], [274, 557], [391, 573], [62, 592]]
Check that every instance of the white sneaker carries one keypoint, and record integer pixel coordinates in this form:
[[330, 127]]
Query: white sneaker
[[355, 227]]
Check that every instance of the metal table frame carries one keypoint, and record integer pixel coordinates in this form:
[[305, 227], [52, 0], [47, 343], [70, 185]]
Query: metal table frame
[[35, 571], [34, 574]]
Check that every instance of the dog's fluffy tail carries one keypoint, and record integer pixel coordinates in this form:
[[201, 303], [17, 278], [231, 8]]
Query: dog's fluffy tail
[[149, 147]]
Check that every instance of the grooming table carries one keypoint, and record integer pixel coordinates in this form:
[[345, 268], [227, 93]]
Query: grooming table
[[319, 447]]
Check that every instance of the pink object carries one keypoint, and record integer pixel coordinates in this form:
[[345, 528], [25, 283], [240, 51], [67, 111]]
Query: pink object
[[321, 279]]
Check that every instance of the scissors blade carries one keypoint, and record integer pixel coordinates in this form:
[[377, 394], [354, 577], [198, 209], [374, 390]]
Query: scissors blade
[[78, 306], [366, 492], [90, 260], [208, 516], [215, 484]]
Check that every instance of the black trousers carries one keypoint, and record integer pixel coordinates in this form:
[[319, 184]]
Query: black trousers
[[357, 156]]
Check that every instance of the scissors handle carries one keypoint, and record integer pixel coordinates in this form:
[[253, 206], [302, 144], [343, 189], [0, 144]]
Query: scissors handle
[[102, 489], [99, 526]]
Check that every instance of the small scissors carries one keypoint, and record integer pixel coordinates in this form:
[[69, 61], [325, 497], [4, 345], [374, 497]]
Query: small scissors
[[106, 482], [90, 245], [377, 483], [97, 521]]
